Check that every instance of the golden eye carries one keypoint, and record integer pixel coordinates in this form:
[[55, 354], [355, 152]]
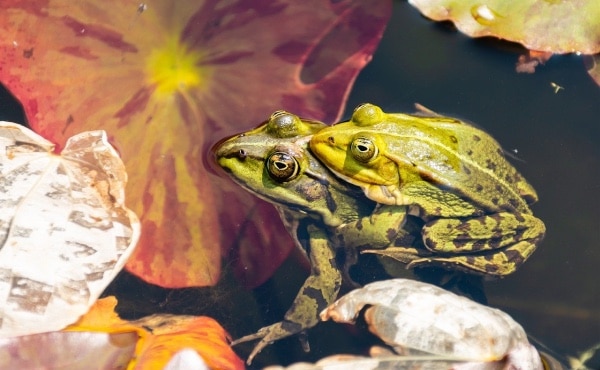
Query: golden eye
[[282, 167], [363, 149]]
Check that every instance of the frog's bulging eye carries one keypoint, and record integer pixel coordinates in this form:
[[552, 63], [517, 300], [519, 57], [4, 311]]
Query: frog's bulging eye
[[363, 149], [282, 167], [283, 124]]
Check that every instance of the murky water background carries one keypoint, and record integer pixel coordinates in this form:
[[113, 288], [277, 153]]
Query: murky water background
[[556, 137]]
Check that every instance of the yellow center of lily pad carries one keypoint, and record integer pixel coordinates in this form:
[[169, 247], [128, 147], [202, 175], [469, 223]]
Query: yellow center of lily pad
[[174, 68]]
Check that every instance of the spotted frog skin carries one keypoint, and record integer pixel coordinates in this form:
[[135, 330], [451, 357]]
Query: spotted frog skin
[[322, 213], [452, 175]]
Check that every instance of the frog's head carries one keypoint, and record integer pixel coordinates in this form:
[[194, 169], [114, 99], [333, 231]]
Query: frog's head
[[357, 154], [274, 163], [384, 154]]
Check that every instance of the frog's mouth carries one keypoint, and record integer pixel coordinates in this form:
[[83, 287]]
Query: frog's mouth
[[276, 201]]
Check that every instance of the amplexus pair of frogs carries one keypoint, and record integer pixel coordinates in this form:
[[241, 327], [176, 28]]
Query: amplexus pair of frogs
[[352, 187]]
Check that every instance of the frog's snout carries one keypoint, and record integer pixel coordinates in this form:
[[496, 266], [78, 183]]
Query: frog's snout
[[240, 154], [222, 150]]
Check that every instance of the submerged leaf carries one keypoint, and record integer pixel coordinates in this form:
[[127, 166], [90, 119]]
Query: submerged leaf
[[544, 25], [65, 232], [68, 350], [168, 79]]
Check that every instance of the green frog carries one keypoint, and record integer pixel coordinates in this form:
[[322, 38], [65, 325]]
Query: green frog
[[452, 175], [322, 213]]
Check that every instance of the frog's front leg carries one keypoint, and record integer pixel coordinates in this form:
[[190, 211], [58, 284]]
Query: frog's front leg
[[385, 229], [318, 291], [373, 231], [493, 244], [378, 230]]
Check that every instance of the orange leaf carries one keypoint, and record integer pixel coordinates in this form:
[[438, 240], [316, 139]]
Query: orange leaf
[[174, 333], [162, 336], [102, 317]]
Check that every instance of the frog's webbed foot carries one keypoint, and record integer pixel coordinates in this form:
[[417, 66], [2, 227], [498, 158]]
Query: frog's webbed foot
[[268, 335]]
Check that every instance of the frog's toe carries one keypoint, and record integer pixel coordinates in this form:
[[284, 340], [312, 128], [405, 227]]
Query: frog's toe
[[262, 335], [247, 338], [259, 347], [267, 336]]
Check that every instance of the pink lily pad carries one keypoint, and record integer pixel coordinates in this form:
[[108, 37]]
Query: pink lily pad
[[166, 80]]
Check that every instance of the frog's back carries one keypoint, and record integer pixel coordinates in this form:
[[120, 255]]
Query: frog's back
[[457, 156]]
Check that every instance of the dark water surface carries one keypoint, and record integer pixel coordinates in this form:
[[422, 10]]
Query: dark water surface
[[556, 293]]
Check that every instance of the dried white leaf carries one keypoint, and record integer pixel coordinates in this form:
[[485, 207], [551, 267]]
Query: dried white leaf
[[64, 229], [430, 362], [417, 318]]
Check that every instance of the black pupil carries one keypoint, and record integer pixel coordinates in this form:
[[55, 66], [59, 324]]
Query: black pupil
[[280, 165]]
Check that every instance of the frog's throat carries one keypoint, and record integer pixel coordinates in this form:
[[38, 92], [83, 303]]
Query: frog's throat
[[384, 194]]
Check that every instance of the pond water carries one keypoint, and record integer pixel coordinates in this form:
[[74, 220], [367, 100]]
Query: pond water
[[555, 136]]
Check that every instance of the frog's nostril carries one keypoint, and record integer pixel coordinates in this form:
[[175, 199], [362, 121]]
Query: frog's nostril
[[242, 154], [331, 140]]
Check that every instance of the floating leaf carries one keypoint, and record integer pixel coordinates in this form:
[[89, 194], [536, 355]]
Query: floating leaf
[[68, 350], [415, 318], [388, 361], [166, 80], [544, 25], [64, 230], [161, 337]]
